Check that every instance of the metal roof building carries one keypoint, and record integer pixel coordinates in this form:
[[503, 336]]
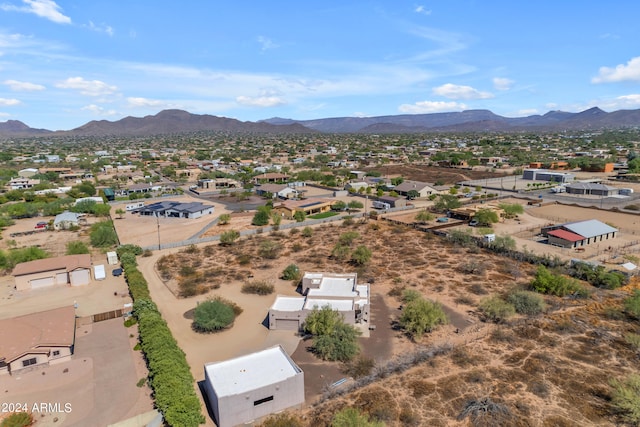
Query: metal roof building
[[579, 233]]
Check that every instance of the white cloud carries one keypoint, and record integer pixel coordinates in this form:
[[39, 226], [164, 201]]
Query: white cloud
[[502, 83], [6, 102], [18, 86], [144, 102], [622, 72], [87, 87], [102, 28], [624, 102], [260, 101], [47, 9], [266, 43], [423, 107], [96, 109], [452, 91], [422, 10]]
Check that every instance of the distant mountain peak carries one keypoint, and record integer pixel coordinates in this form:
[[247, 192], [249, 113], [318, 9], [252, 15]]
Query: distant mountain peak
[[174, 121]]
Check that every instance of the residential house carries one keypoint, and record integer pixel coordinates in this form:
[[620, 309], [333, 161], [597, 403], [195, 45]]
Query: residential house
[[66, 220], [313, 206], [246, 388], [70, 269], [282, 191], [341, 292], [270, 177], [171, 209], [43, 338], [422, 188]]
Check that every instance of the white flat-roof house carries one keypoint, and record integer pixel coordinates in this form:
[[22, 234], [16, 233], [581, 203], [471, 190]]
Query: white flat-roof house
[[341, 292], [252, 386]]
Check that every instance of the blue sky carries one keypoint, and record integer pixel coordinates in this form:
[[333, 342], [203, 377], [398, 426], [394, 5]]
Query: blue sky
[[64, 63]]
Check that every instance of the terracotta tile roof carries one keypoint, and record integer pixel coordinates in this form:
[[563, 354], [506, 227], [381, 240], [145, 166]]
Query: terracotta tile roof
[[68, 263], [24, 334]]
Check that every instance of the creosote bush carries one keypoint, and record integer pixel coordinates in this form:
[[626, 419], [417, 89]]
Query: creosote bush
[[258, 287]]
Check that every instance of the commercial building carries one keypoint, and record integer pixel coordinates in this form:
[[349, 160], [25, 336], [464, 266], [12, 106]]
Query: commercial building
[[547, 175], [249, 387]]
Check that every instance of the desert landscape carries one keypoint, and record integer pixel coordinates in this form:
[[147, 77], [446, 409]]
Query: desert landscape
[[550, 369]]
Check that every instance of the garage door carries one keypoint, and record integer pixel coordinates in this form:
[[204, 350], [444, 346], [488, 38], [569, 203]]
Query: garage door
[[62, 278], [79, 277], [42, 283], [287, 324]]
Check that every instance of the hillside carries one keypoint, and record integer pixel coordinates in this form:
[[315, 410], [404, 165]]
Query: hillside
[[178, 121]]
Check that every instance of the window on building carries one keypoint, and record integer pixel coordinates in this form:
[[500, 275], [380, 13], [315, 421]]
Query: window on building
[[29, 362], [56, 352], [264, 400]]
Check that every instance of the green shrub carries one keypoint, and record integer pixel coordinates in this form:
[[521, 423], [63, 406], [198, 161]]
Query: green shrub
[[496, 309], [341, 344], [626, 398], [547, 282], [526, 302], [307, 232], [261, 218], [421, 316], [224, 219], [291, 272], [299, 216], [130, 322], [332, 338], [141, 382], [361, 255], [77, 247], [347, 238], [269, 249], [632, 305], [128, 259], [103, 235], [128, 248], [228, 237], [409, 295], [633, 340], [18, 419], [352, 417], [213, 315]]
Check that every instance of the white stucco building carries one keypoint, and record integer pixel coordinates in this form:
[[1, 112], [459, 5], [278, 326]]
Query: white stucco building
[[252, 386], [341, 292]]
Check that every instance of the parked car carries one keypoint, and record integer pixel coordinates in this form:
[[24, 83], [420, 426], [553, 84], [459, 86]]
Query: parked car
[[473, 222], [117, 272], [41, 225]]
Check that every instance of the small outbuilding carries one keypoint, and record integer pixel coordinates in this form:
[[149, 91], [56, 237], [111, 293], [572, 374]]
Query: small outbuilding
[[252, 386]]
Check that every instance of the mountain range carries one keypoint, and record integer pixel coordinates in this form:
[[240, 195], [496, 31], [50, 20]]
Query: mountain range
[[178, 121]]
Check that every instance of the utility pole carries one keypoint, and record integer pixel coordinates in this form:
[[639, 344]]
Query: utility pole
[[158, 222]]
